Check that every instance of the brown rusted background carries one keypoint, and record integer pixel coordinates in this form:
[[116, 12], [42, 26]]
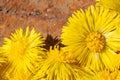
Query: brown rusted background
[[46, 16]]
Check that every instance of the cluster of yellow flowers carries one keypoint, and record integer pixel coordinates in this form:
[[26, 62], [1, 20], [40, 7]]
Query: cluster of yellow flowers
[[91, 52]]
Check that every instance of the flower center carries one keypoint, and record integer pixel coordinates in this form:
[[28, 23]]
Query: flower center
[[95, 41], [61, 56], [19, 48]]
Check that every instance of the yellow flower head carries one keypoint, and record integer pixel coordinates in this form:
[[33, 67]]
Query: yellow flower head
[[106, 75], [58, 65], [111, 4], [2, 57], [92, 37], [22, 50]]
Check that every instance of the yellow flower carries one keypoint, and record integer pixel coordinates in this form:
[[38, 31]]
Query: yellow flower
[[22, 50], [3, 62], [111, 4], [106, 75], [103, 74], [2, 57], [58, 65], [91, 36]]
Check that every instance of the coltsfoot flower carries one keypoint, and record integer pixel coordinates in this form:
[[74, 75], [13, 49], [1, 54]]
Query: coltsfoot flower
[[22, 50], [103, 74], [92, 37], [111, 4], [2, 57], [58, 65], [106, 75]]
